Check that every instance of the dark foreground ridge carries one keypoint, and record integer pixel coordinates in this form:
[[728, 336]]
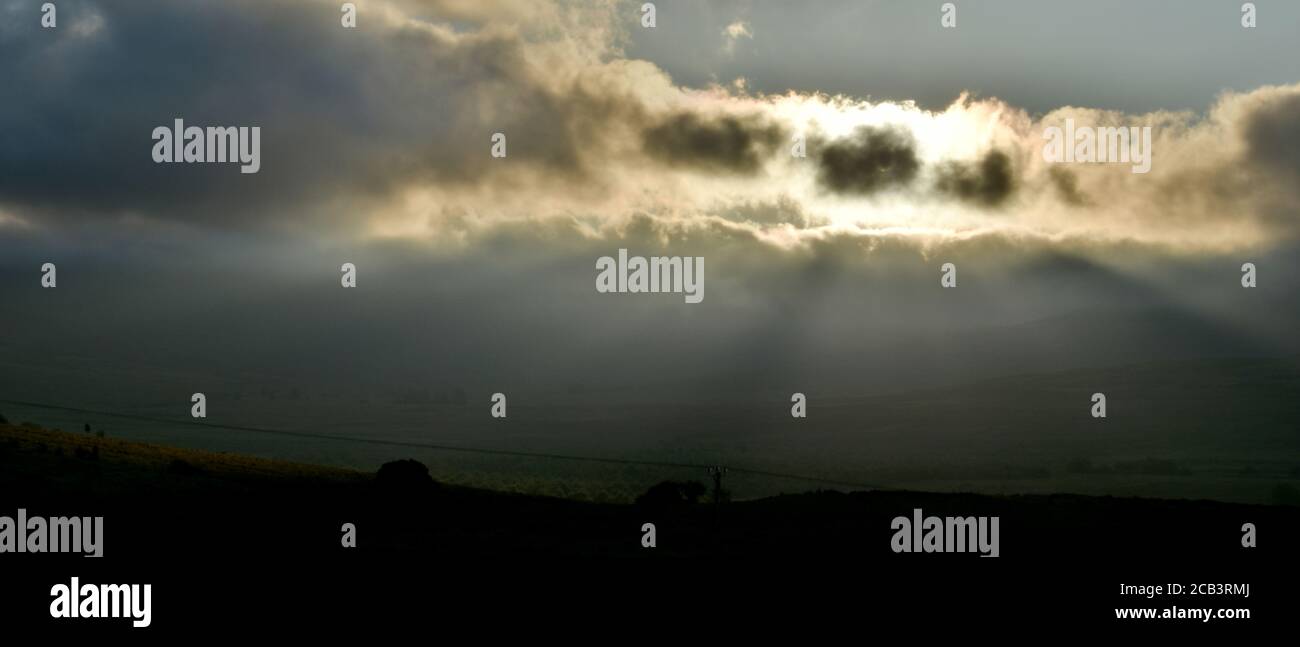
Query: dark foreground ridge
[[209, 528], [157, 500]]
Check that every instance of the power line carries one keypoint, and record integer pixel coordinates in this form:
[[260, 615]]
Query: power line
[[438, 447]]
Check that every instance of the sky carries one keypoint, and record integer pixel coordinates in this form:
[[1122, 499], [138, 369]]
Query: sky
[[923, 145], [1038, 55]]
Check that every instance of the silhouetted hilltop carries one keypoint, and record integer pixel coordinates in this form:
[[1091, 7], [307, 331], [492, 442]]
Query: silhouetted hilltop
[[157, 499]]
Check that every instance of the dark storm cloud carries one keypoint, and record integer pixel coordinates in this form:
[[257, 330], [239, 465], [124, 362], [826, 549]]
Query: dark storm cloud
[[988, 182], [871, 160], [1066, 184], [386, 130], [80, 137], [724, 144], [346, 115], [1272, 133]]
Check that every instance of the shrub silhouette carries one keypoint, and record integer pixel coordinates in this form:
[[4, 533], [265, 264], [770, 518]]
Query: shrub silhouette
[[671, 494], [404, 475], [3, 419]]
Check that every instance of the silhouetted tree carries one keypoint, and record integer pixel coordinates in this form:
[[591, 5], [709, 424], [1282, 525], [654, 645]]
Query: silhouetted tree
[[404, 475], [671, 494]]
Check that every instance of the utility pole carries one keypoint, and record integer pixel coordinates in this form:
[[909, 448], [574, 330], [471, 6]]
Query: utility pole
[[717, 472]]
